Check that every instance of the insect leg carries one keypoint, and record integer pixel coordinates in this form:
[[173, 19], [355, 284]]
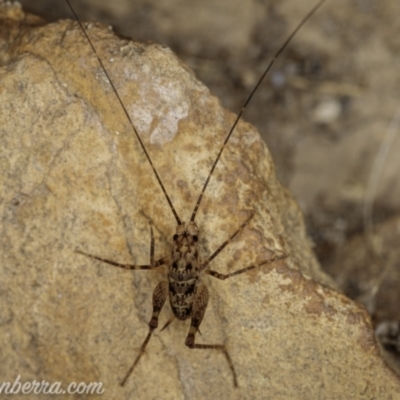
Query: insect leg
[[218, 275], [159, 296], [223, 245], [153, 263], [156, 263], [198, 310]]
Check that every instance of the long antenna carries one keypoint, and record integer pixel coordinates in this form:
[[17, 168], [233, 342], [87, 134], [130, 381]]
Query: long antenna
[[126, 113], [305, 19]]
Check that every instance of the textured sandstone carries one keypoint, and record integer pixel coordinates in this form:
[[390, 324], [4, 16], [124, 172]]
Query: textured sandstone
[[73, 176]]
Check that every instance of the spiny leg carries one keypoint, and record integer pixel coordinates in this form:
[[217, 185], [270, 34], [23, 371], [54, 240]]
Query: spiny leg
[[223, 245], [198, 310], [159, 296], [153, 264], [218, 275], [156, 263]]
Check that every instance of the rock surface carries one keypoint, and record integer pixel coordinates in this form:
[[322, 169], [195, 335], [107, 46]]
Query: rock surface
[[74, 176]]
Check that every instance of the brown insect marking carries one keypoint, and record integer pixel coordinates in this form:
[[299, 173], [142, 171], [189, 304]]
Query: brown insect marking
[[183, 273]]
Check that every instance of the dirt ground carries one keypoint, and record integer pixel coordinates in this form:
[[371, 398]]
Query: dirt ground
[[329, 104]]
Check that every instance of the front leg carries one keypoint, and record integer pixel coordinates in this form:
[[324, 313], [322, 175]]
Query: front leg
[[223, 245], [218, 275], [153, 263], [198, 309]]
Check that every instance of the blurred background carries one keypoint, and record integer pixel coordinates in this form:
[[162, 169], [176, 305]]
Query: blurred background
[[329, 112]]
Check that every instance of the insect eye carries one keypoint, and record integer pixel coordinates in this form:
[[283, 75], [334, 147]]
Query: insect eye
[[195, 238], [175, 237]]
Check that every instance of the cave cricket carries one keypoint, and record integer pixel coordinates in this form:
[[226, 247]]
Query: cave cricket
[[188, 296]]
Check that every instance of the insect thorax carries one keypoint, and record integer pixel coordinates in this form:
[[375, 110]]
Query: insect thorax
[[183, 273]]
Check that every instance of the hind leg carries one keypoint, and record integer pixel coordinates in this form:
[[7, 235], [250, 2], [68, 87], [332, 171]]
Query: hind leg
[[198, 310]]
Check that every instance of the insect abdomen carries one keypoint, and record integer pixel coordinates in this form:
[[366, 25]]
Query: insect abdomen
[[182, 289]]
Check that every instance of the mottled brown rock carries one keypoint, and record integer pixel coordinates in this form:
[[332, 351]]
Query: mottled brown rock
[[74, 177]]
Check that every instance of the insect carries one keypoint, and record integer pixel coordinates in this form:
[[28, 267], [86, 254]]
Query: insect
[[183, 286]]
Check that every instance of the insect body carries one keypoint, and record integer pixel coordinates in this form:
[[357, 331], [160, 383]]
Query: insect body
[[188, 295]]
